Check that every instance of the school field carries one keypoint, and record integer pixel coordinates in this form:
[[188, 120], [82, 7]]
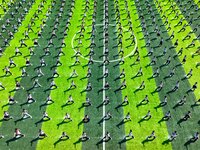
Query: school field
[[170, 29]]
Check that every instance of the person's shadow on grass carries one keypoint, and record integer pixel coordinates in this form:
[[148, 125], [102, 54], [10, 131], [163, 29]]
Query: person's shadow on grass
[[122, 122], [58, 141], [143, 119], [147, 140], [13, 140], [63, 122], [41, 121], [166, 142], [124, 140]]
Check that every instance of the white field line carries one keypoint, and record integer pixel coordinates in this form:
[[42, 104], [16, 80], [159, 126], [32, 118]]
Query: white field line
[[100, 61]]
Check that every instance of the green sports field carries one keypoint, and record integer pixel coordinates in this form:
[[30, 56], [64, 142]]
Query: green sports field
[[144, 51]]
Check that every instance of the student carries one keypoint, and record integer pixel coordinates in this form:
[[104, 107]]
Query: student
[[17, 51], [167, 116], [148, 115], [1, 136], [67, 117], [142, 85], [160, 86], [45, 116], [182, 101], [39, 72], [107, 116], [41, 134], [73, 85], [7, 71], [36, 84], [74, 74], [18, 134], [11, 100], [187, 116], [152, 136], [6, 116], [53, 85], [145, 100], [89, 73], [49, 100], [42, 62], [156, 73], [139, 73], [130, 135], [1, 86], [87, 102], [195, 137], [18, 85], [176, 87], [28, 63], [12, 63], [189, 74], [197, 102], [125, 102], [86, 119], [24, 73], [84, 137], [127, 117], [164, 102], [25, 114], [106, 100], [107, 137], [64, 136], [173, 136], [89, 87], [30, 99]]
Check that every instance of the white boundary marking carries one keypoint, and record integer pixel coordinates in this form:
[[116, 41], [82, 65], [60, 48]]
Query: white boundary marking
[[100, 61], [104, 80]]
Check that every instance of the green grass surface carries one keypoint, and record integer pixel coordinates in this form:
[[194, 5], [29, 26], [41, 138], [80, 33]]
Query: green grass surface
[[92, 128], [135, 98], [190, 13], [4, 6], [19, 60], [183, 129], [117, 131], [141, 128], [13, 21], [60, 97], [191, 60], [37, 93]]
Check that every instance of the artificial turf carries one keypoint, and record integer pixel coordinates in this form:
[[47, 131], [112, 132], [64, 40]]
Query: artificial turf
[[54, 129], [141, 128], [5, 5], [138, 111], [20, 14], [19, 60], [115, 125], [183, 128], [95, 131], [192, 59], [39, 94], [191, 12]]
